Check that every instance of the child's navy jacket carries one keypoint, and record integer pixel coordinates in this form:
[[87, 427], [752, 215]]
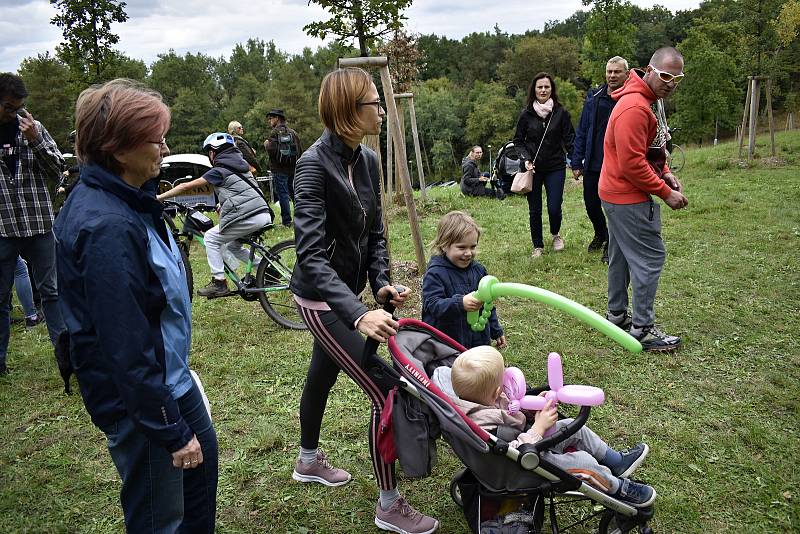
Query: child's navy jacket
[[443, 290]]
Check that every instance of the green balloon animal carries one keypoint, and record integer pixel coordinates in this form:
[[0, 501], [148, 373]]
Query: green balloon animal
[[490, 289]]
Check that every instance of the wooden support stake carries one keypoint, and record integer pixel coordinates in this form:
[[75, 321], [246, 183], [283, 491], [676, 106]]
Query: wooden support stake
[[415, 136], [769, 115], [399, 144], [389, 159], [751, 134], [744, 116]]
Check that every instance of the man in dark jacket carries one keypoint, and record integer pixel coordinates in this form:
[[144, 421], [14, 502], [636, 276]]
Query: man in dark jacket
[[473, 183], [587, 155], [236, 129], [284, 148]]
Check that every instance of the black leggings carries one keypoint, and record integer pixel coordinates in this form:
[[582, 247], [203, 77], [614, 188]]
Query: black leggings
[[337, 347]]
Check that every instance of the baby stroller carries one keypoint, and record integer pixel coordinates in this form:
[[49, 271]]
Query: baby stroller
[[495, 473], [506, 165]]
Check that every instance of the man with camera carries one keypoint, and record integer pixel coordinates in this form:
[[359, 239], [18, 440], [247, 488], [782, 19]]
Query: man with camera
[[28, 158]]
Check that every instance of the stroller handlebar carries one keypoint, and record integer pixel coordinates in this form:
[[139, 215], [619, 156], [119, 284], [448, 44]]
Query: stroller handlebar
[[371, 345]]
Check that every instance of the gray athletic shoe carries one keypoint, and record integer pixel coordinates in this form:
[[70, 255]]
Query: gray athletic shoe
[[403, 518]]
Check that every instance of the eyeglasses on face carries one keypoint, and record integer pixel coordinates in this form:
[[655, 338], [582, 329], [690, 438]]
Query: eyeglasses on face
[[375, 103], [161, 144], [667, 77], [12, 109]]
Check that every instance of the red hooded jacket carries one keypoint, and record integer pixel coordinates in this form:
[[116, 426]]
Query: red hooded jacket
[[632, 165]]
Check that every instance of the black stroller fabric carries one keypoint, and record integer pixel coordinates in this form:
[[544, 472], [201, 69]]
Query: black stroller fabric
[[418, 349], [506, 165]]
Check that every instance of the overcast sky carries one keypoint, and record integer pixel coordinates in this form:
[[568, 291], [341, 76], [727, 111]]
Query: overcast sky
[[215, 27]]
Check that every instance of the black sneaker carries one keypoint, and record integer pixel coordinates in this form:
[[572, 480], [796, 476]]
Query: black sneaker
[[622, 320], [635, 493], [3, 369], [631, 459], [596, 244], [604, 259], [30, 322], [654, 340], [216, 288]]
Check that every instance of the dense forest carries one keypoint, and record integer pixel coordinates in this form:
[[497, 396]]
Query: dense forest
[[467, 91]]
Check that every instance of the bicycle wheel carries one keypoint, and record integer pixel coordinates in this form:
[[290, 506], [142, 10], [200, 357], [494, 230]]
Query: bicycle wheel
[[677, 159], [273, 275], [187, 267]]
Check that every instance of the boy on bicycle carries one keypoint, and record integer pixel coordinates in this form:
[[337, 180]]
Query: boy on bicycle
[[241, 205]]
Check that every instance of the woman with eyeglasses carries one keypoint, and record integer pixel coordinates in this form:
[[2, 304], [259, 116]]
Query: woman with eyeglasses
[[123, 294], [340, 245], [543, 138]]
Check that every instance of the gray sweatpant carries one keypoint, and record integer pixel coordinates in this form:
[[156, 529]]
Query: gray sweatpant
[[636, 255], [583, 463]]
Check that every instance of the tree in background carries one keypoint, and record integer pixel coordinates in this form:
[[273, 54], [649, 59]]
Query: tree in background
[[558, 56], [190, 86], [86, 27], [493, 115], [441, 109], [609, 33], [709, 93], [405, 60], [362, 20]]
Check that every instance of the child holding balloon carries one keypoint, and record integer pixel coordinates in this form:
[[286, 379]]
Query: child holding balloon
[[452, 275], [477, 381]]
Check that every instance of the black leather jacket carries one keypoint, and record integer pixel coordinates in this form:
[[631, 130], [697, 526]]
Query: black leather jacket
[[557, 142], [338, 227]]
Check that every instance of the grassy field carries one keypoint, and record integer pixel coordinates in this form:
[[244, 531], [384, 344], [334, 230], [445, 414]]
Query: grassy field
[[720, 415]]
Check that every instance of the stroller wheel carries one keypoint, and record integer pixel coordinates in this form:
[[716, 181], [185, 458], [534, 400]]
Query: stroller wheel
[[455, 493]]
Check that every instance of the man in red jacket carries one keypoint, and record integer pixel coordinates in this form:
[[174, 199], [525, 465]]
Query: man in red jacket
[[633, 170]]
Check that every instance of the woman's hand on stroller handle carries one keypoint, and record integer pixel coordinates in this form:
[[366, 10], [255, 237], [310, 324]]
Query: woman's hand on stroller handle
[[392, 296], [378, 325]]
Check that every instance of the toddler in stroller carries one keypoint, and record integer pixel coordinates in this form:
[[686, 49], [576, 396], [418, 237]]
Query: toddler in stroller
[[502, 467], [477, 389]]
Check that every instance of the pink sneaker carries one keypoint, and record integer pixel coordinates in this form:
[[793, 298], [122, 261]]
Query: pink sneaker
[[320, 471], [402, 518]]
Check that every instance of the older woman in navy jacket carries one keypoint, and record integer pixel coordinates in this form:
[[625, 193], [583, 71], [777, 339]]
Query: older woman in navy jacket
[[126, 306]]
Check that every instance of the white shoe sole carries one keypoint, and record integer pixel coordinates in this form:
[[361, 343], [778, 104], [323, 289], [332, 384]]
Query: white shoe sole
[[635, 465], [307, 478], [383, 525]]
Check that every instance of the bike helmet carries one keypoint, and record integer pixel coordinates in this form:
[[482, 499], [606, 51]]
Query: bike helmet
[[218, 141]]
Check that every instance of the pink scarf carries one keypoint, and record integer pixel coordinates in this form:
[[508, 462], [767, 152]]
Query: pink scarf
[[543, 110]]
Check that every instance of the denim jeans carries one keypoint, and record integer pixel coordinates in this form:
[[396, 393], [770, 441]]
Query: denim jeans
[[157, 497], [553, 182], [40, 253], [282, 189], [22, 285]]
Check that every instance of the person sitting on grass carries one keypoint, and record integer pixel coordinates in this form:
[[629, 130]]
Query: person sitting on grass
[[453, 274], [242, 207], [477, 380]]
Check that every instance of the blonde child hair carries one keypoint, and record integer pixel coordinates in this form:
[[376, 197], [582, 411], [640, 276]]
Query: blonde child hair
[[451, 228], [477, 374]]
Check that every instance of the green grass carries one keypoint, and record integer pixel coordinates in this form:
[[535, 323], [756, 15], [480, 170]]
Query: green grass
[[721, 415]]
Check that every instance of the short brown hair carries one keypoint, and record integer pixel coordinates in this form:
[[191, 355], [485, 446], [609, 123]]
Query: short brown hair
[[338, 95], [451, 228], [477, 373], [117, 115]]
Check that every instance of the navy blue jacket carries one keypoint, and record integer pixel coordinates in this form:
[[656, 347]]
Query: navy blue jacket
[[125, 303], [443, 288], [587, 152]]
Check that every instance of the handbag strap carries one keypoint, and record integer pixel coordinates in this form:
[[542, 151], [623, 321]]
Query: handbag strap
[[546, 126]]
